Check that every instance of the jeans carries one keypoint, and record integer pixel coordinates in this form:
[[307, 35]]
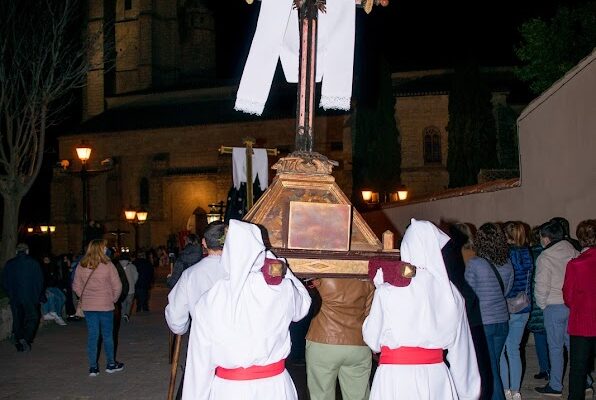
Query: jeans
[[496, 334], [511, 366], [542, 351], [581, 358], [55, 301], [99, 321], [555, 323]]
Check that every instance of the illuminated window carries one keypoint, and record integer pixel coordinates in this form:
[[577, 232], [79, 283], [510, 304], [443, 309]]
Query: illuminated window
[[432, 145]]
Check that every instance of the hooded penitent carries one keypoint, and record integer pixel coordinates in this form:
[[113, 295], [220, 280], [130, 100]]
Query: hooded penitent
[[428, 313], [243, 322]]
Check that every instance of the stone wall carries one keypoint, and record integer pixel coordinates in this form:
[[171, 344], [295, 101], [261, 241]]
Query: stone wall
[[413, 115], [184, 169]]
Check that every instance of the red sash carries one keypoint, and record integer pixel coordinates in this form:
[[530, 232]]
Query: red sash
[[410, 355], [252, 372]]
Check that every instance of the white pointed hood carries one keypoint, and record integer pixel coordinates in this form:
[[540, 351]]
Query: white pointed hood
[[243, 253]]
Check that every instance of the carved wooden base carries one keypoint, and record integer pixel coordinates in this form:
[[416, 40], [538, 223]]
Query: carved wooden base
[[306, 177]]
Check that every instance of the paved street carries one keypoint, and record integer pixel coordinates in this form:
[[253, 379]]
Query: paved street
[[57, 366]]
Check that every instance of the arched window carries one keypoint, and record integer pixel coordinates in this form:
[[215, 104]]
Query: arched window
[[144, 192], [432, 145]]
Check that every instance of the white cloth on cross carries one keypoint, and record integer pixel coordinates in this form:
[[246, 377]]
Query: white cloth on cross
[[260, 167], [277, 37]]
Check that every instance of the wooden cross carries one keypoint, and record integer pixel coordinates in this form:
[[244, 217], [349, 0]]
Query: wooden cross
[[248, 142]]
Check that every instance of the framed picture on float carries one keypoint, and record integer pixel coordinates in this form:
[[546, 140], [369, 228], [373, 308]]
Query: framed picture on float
[[319, 226]]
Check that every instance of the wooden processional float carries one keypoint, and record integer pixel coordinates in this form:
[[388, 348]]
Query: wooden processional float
[[308, 219]]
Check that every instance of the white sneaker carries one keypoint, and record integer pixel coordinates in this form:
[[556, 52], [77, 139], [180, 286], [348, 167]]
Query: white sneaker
[[48, 317], [59, 321], [516, 396], [508, 394]]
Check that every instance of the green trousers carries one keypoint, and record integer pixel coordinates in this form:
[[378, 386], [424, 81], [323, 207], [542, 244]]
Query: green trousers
[[325, 363]]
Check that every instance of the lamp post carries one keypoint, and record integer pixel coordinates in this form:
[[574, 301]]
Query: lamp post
[[136, 218], [215, 212], [84, 154]]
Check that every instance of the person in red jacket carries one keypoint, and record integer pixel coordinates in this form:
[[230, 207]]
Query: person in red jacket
[[579, 293]]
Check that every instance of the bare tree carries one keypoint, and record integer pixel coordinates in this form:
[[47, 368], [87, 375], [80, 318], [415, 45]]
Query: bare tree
[[42, 60]]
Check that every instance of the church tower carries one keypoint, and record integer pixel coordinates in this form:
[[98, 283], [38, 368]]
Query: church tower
[[147, 44]]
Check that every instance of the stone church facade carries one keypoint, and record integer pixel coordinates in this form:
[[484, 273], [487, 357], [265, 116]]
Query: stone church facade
[[164, 142]]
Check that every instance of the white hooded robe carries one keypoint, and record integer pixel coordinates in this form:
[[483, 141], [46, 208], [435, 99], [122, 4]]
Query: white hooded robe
[[241, 322], [428, 313]]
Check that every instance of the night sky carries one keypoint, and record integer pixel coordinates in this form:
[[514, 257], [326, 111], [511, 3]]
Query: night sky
[[411, 34]]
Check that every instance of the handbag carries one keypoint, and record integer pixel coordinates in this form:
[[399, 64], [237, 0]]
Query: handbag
[[521, 300], [79, 312]]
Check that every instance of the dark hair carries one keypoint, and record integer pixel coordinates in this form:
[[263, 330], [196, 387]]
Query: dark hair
[[469, 231], [22, 248], [192, 238], [552, 230], [215, 235], [564, 224], [586, 233], [535, 236], [491, 244]]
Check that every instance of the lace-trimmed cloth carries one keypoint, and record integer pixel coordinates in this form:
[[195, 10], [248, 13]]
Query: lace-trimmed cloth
[[277, 37]]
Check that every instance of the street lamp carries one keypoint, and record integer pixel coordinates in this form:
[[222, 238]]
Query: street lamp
[[136, 218], [215, 212], [84, 154]]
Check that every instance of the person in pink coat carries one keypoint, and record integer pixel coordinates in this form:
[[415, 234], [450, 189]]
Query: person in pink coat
[[98, 286]]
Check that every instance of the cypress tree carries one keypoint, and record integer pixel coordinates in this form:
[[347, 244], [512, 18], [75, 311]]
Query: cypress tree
[[472, 132], [376, 150]]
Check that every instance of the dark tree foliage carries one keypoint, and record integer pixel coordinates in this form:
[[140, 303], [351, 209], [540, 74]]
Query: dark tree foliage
[[507, 140], [472, 133], [376, 150], [550, 48]]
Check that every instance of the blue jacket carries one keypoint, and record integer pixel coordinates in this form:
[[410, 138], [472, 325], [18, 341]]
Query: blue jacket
[[523, 265], [482, 279]]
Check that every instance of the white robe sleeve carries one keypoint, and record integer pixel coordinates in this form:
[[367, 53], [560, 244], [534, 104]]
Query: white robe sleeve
[[302, 299], [178, 309], [200, 369], [373, 324], [463, 364]]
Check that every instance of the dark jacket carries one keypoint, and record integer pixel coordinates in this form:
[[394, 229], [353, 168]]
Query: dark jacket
[[22, 280], [123, 280], [191, 255], [454, 263], [523, 266], [145, 270]]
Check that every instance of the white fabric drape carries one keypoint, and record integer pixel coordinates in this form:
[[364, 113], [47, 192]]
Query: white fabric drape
[[260, 167], [277, 37], [241, 322], [428, 313]]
